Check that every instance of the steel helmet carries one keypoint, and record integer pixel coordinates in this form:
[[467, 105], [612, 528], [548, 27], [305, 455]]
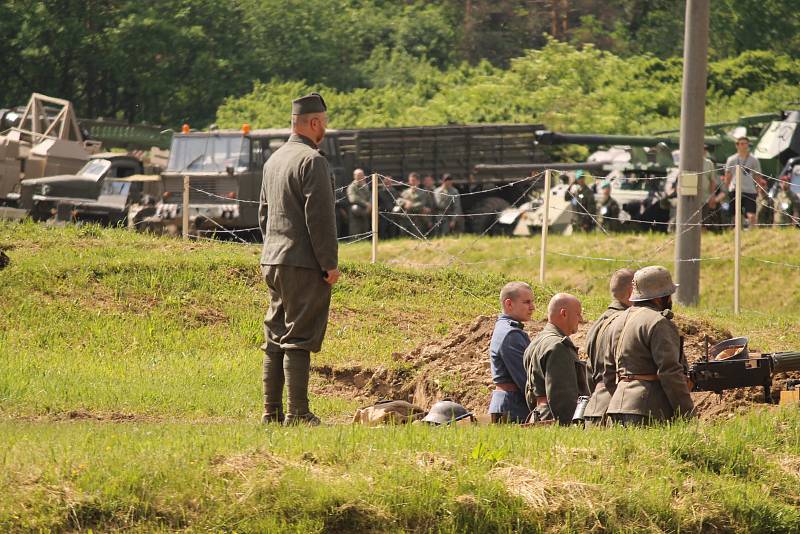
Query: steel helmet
[[652, 282], [445, 412]]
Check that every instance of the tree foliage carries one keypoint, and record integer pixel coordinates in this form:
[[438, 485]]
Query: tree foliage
[[560, 85], [171, 61]]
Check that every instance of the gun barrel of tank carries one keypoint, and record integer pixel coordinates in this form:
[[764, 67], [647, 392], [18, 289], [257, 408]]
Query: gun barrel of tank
[[546, 137], [783, 362]]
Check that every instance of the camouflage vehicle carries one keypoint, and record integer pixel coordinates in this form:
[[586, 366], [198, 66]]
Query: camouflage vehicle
[[102, 191]]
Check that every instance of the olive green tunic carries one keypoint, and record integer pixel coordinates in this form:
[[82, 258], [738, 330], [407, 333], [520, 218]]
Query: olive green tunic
[[644, 341], [554, 371], [584, 207], [596, 350], [608, 214], [359, 195]]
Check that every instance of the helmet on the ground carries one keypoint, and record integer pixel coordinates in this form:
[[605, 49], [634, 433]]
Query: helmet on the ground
[[445, 412], [652, 282]]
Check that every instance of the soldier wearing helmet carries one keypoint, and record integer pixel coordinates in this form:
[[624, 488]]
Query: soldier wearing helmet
[[645, 369]]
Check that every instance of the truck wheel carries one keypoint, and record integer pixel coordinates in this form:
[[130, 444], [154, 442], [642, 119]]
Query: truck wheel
[[480, 223]]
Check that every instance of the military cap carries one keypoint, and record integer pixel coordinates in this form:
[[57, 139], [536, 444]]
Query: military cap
[[652, 282], [605, 184], [579, 174], [311, 103]]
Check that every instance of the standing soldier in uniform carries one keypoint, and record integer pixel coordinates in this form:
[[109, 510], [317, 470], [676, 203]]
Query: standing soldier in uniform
[[608, 209], [412, 204], [621, 287], [449, 203], [299, 260], [645, 368], [555, 375], [431, 206], [359, 197], [386, 200], [764, 204], [506, 349], [787, 205], [581, 197]]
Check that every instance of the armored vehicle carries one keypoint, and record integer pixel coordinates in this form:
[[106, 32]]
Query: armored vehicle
[[42, 140]]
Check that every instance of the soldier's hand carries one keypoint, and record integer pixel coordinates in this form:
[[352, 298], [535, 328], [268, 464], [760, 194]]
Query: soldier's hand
[[332, 276]]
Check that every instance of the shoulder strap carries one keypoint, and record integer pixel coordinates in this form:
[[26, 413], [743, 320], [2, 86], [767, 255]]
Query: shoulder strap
[[618, 348]]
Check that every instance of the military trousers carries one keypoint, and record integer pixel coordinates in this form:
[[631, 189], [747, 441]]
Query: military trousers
[[360, 224], [297, 317], [509, 406]]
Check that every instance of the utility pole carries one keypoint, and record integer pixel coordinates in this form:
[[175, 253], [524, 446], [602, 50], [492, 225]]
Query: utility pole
[[693, 107]]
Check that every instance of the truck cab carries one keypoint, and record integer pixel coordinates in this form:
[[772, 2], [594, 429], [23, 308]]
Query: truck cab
[[224, 168]]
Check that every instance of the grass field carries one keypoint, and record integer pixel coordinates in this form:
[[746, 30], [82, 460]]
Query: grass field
[[130, 396]]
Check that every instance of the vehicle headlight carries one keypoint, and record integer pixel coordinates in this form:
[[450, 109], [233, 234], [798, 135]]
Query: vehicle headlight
[[44, 190]]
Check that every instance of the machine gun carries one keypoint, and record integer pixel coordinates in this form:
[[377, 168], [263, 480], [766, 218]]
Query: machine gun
[[729, 365]]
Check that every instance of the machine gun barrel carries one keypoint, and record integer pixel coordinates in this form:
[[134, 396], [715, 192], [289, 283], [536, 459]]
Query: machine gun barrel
[[783, 362], [744, 371]]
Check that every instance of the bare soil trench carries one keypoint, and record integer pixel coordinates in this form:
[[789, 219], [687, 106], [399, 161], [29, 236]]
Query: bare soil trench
[[457, 367]]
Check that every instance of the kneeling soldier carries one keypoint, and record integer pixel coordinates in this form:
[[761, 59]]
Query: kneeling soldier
[[556, 377], [621, 287], [508, 344], [644, 365]]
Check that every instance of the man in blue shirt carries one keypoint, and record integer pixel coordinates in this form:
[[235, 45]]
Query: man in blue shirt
[[508, 344]]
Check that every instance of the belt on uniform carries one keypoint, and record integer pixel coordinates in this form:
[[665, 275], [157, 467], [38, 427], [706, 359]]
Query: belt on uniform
[[508, 387], [645, 378], [540, 401]]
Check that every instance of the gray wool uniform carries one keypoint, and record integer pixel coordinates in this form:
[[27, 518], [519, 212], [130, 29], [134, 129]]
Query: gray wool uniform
[[299, 244], [644, 342], [596, 349], [556, 377]]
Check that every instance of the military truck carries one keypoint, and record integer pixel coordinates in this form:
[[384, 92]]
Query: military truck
[[101, 191], [224, 169]]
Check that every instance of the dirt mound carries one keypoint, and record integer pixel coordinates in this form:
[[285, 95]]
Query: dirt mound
[[457, 367]]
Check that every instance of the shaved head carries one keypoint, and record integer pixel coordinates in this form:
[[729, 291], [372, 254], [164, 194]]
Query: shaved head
[[621, 285], [516, 301], [564, 311]]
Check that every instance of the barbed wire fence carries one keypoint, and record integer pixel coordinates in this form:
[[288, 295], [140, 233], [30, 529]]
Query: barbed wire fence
[[423, 226]]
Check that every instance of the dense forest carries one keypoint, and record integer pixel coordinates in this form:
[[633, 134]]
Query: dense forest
[[603, 65]]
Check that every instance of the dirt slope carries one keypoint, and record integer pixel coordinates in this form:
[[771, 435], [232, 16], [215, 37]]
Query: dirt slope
[[457, 366]]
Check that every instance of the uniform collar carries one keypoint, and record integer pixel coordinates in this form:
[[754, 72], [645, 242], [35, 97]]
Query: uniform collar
[[299, 138], [553, 328], [617, 305], [514, 322], [550, 327]]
